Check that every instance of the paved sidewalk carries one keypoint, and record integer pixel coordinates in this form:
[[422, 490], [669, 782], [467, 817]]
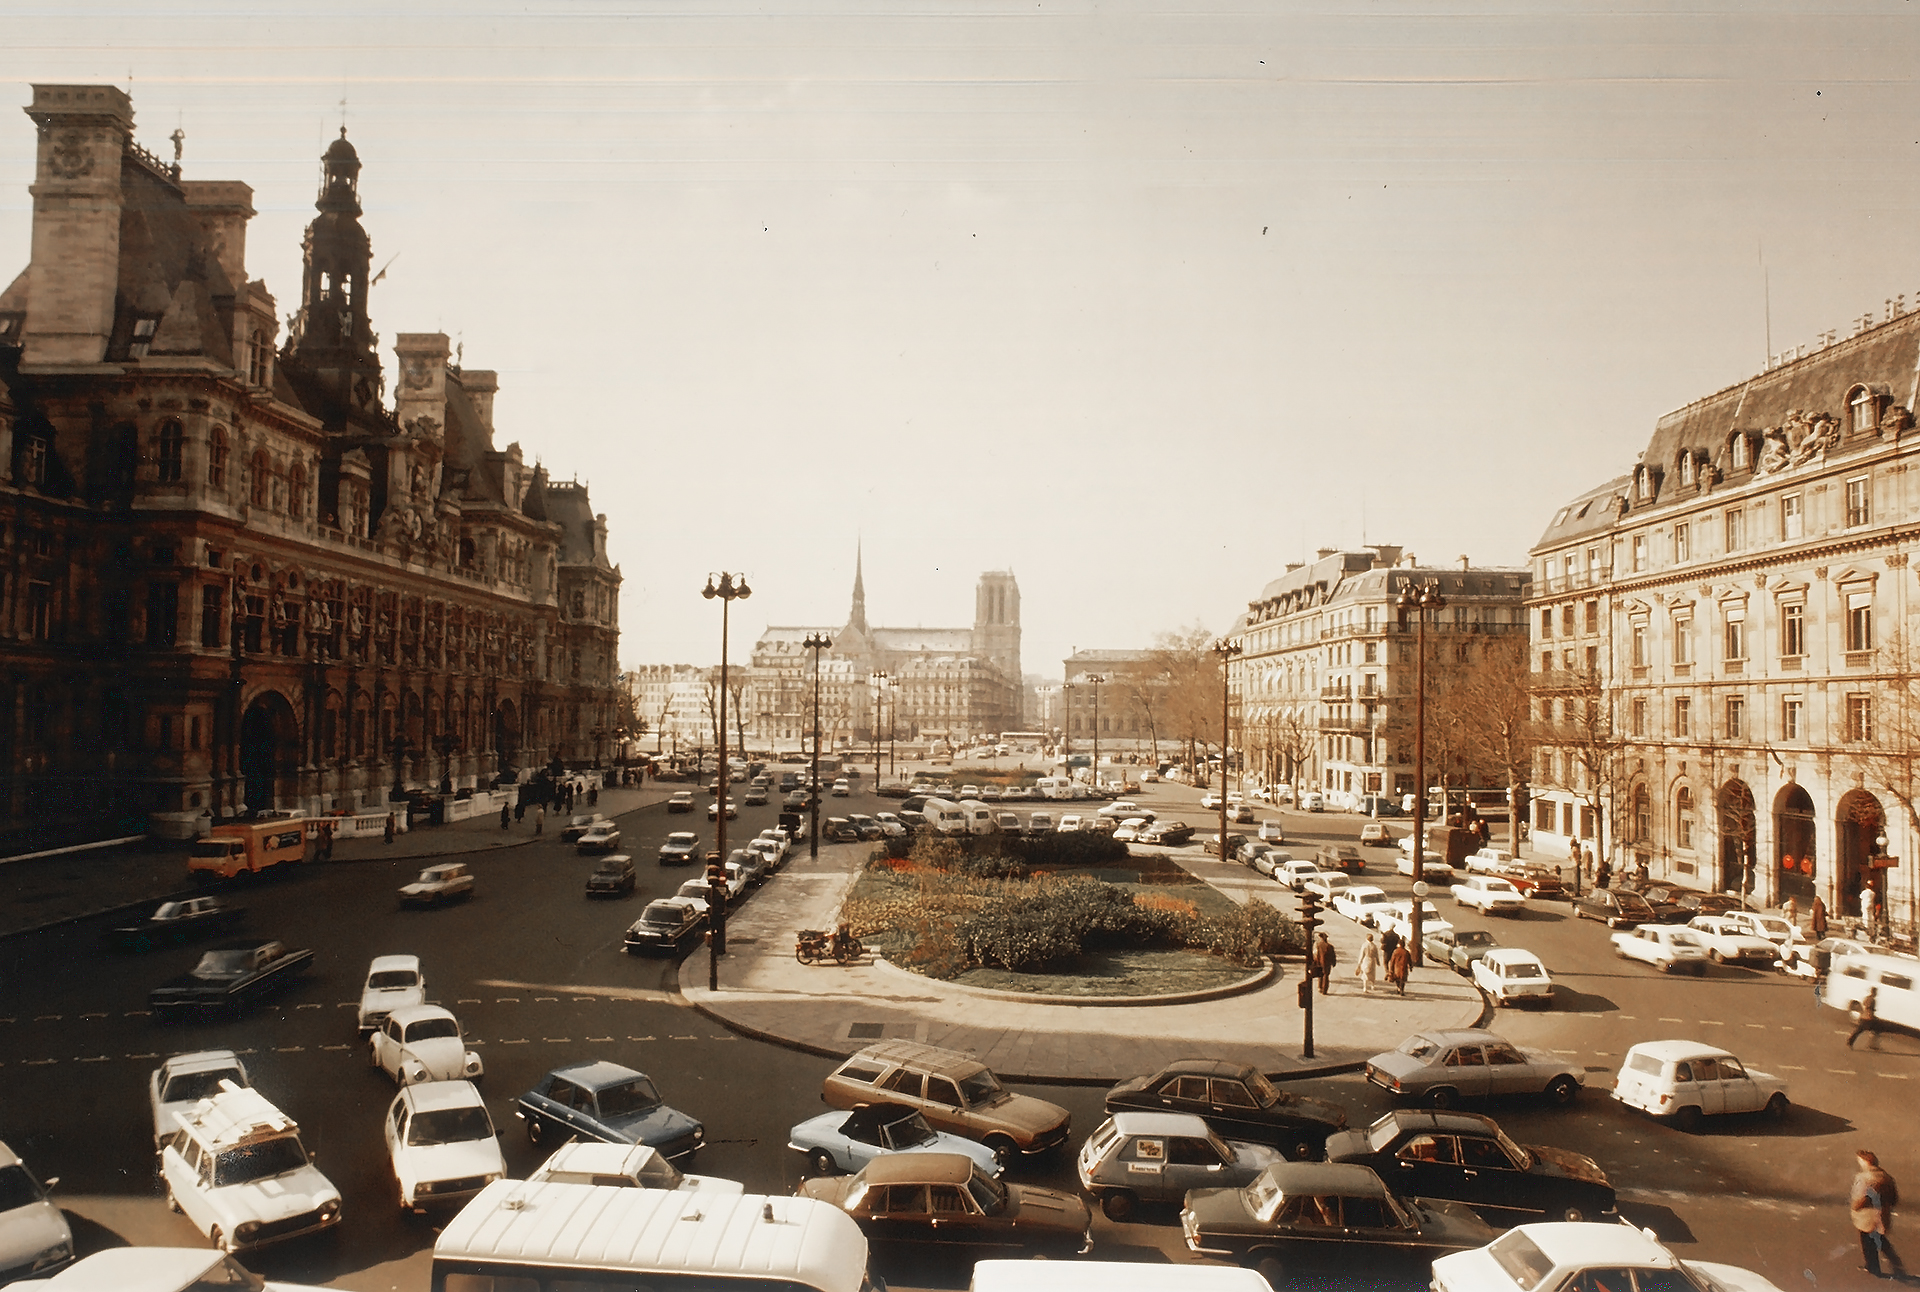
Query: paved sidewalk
[[833, 1010]]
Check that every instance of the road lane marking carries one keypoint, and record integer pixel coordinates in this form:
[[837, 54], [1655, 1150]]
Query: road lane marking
[[599, 1040], [132, 1013], [468, 1000], [557, 1040], [333, 1047], [1790, 1067], [643, 1038], [1711, 1022], [41, 1063], [98, 1058], [289, 1049], [584, 989], [1673, 1020], [143, 1056], [1892, 1076], [683, 1038], [521, 1041], [310, 1006], [507, 1000], [1758, 1027], [541, 1000], [99, 1014], [48, 1018], [1843, 1072], [588, 1000]]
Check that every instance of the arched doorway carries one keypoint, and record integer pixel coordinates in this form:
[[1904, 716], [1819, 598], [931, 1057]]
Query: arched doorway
[[1793, 844], [1859, 823], [506, 736], [269, 752], [1737, 830]]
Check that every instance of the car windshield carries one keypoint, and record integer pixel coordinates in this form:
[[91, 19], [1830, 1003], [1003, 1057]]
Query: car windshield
[[635, 1096], [661, 913], [679, 840], [1474, 938], [433, 1029], [224, 964], [908, 1132], [387, 979], [449, 1126], [210, 850], [170, 911], [1263, 1196], [1419, 1047], [1523, 1262], [17, 1188], [610, 868], [260, 1161], [185, 1086], [989, 1193], [1521, 969], [981, 1088], [227, 1274], [1682, 938], [1261, 1089]]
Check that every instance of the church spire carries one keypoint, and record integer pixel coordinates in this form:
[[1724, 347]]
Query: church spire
[[858, 618]]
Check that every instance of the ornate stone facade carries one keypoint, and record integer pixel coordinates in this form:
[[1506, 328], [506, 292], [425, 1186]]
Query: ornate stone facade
[[236, 579]]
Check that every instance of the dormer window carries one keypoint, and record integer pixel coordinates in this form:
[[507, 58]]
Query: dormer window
[[143, 330], [1686, 468], [1863, 410], [1739, 452]]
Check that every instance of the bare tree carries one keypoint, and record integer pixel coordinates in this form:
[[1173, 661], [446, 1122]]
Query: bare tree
[[1497, 696], [1193, 672], [1576, 717], [1885, 735], [1292, 738], [1146, 685]]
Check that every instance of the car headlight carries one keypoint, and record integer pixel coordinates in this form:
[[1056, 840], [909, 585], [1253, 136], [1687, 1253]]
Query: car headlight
[[245, 1231], [58, 1254], [473, 1064], [412, 1071]]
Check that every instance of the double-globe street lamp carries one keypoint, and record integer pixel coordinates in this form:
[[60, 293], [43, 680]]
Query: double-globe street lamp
[[1226, 650], [815, 642], [1417, 602], [1094, 680], [877, 684], [727, 589]]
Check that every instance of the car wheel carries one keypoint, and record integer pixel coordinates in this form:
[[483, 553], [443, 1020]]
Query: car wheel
[[1118, 1205], [1270, 1267], [1562, 1090], [821, 1162], [1665, 966], [173, 1203], [536, 1129], [1688, 1119], [1778, 1107], [1005, 1151], [1441, 1097], [1716, 957], [218, 1239]]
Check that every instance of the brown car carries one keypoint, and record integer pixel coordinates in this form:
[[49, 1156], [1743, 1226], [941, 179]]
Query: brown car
[[947, 1198], [953, 1092]]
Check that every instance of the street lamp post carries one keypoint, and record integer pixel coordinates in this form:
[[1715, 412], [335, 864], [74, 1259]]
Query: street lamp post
[[599, 734], [1094, 680], [1066, 724], [444, 742], [399, 765], [877, 684], [1416, 602], [1226, 650], [815, 642], [727, 590]]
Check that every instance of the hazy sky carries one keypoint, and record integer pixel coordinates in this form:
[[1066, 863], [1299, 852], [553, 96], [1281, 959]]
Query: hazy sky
[[1140, 301]]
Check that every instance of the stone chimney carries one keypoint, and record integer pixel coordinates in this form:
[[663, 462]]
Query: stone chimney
[[1385, 555], [222, 208], [74, 271], [421, 399], [480, 386], [1324, 552]]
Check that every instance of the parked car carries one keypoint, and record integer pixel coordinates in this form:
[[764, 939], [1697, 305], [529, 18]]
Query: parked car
[[1237, 1101], [1729, 943], [843, 1142], [1775, 929], [1441, 1068], [450, 881], [1666, 947], [1361, 903], [1684, 1081], [232, 976], [1458, 949], [1211, 800], [183, 1080], [1467, 1158], [176, 923], [612, 877], [1171, 834], [1070, 823], [580, 824], [1327, 886], [668, 925], [839, 830], [602, 838], [1490, 895], [1709, 904], [1121, 809], [605, 1101], [1665, 901], [1615, 907], [1534, 880], [1249, 854], [1584, 1256], [1295, 872], [1399, 917], [955, 1092], [1324, 1217], [1272, 831], [423, 1043], [1375, 835], [1240, 813], [441, 1144], [1156, 1157], [949, 1200], [1511, 976], [393, 982], [680, 801], [1313, 801], [681, 848], [1128, 831], [894, 828]]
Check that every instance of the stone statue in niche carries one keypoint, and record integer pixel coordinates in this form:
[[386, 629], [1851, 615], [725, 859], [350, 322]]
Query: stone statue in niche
[[356, 622]]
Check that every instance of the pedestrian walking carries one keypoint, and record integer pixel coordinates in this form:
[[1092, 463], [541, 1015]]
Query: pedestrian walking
[[326, 841], [1586, 861], [1323, 961], [593, 797], [1369, 967], [519, 811], [506, 816], [1868, 900], [540, 819], [1870, 1204], [1822, 963], [1389, 943], [1399, 965], [389, 831], [1869, 1020], [1790, 911], [1817, 919]]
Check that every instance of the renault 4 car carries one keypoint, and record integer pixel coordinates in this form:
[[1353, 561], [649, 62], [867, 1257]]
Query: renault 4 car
[[1685, 1082], [239, 1172], [1156, 1157]]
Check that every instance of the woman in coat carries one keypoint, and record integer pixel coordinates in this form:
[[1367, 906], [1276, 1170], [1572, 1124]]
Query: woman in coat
[[1368, 968]]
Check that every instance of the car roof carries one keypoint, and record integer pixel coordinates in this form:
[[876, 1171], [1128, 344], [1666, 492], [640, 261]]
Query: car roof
[[1453, 1123], [428, 1096], [1587, 1243], [414, 1013], [595, 1073], [1512, 955], [1208, 1067], [1464, 1035], [118, 1268], [1346, 1179], [382, 964], [7, 1156], [927, 1058], [919, 1168], [1670, 1051], [1159, 1124], [199, 1061], [866, 1117], [596, 1157]]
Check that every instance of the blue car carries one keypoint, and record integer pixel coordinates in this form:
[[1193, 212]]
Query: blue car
[[847, 1141], [606, 1102]]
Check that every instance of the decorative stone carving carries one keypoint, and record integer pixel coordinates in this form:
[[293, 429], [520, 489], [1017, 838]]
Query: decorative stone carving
[[1800, 438], [69, 157]]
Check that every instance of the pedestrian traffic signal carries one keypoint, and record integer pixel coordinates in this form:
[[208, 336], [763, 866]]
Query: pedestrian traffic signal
[[716, 875]]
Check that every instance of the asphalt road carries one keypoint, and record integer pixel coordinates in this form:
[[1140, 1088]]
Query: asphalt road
[[536, 974]]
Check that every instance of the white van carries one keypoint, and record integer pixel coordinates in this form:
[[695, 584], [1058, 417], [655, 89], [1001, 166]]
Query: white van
[[1111, 1276], [944, 817], [518, 1235], [1852, 977], [1054, 787], [979, 816]]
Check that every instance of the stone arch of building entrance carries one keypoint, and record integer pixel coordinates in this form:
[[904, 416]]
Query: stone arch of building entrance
[[1794, 847], [1737, 829], [506, 736], [1859, 822], [269, 752]]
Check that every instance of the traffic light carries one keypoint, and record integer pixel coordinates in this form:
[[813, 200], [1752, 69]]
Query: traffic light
[[716, 875]]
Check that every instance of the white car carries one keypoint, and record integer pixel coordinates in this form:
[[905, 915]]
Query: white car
[[1666, 947], [182, 1081], [1685, 1081], [34, 1236], [240, 1173], [1398, 916], [771, 854], [1774, 928], [1295, 873], [1271, 831], [1361, 903], [393, 982], [1726, 943], [449, 881], [1313, 801], [1556, 1255], [841, 789], [1432, 865], [627, 1166], [423, 1043], [1121, 809], [1040, 823], [1374, 834], [1328, 885], [1269, 862], [1512, 976], [1126, 832], [1070, 823], [1210, 800], [1490, 895], [442, 1144], [164, 1269]]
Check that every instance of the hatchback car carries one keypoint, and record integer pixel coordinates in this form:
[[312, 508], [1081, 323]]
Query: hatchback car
[[1467, 1158], [841, 789], [1295, 872], [666, 927], [949, 1200], [441, 1144], [605, 1101], [680, 849], [1511, 976], [1666, 947], [1156, 1157], [1237, 1101], [1272, 831], [1685, 1081], [1375, 835], [1441, 1068], [1342, 857], [613, 877]]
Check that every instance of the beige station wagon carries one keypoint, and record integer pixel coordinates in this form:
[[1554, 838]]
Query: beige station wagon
[[953, 1092]]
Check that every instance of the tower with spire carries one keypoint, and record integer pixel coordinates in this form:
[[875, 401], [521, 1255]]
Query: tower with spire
[[857, 616], [332, 335]]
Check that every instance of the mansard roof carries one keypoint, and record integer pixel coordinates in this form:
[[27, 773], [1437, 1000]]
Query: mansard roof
[[569, 507]]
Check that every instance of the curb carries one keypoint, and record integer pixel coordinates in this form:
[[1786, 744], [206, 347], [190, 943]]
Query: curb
[[1269, 973]]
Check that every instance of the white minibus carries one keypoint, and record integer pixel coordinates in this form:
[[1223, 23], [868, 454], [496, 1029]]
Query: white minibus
[[979, 816], [944, 817], [1852, 976], [521, 1237]]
